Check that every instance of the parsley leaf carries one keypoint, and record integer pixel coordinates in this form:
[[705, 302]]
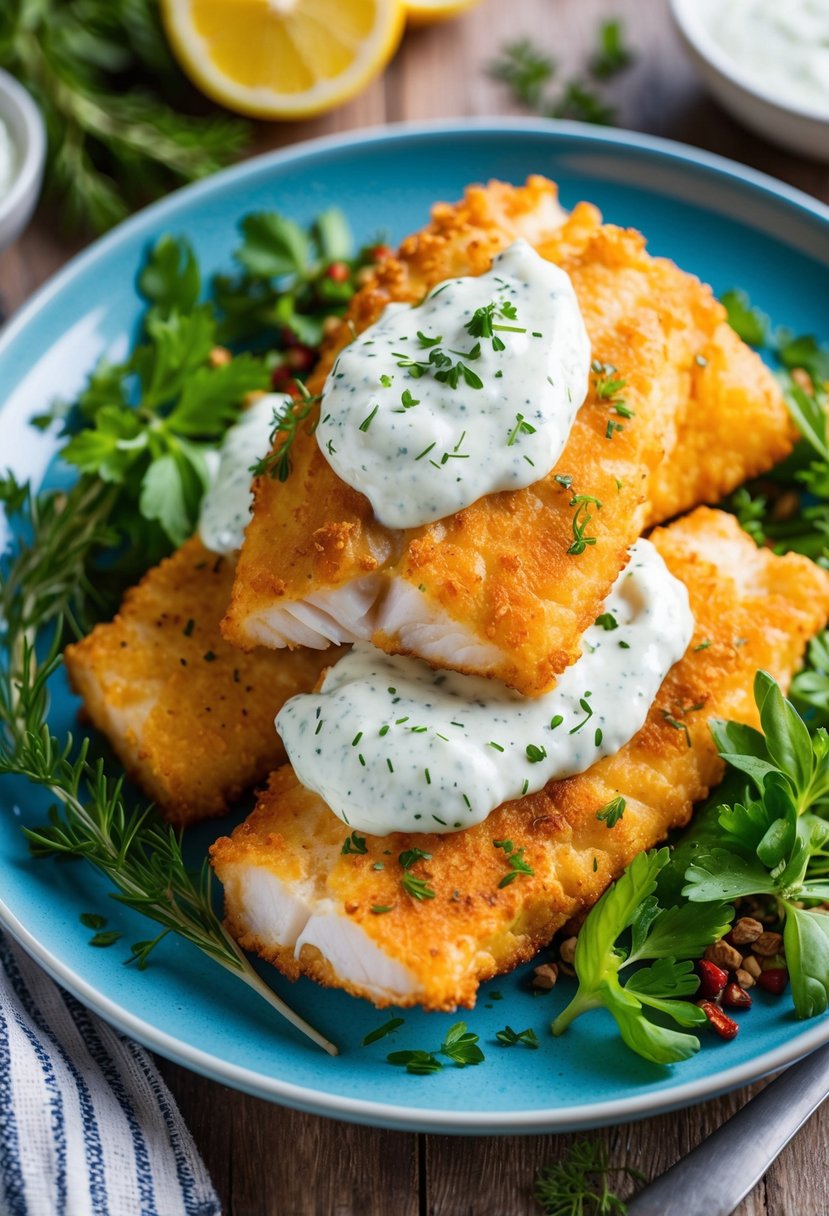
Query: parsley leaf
[[775, 837], [668, 937], [461, 1046]]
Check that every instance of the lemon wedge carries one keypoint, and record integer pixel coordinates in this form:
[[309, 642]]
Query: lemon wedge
[[424, 12], [283, 58]]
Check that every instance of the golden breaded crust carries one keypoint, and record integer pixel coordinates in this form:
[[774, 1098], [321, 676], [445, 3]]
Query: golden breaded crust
[[706, 415], [752, 610], [190, 717]]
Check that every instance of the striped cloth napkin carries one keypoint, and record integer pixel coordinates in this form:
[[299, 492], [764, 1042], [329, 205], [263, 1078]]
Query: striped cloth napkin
[[87, 1126]]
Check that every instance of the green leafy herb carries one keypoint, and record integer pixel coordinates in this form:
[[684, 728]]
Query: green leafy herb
[[515, 861], [287, 424], [612, 812], [421, 1063], [810, 687], [607, 621], [747, 321], [92, 920], [775, 840], [629, 926], [418, 888], [354, 843], [578, 1184], [612, 56], [511, 1038], [460, 1046], [526, 70], [106, 938], [112, 98], [581, 522]]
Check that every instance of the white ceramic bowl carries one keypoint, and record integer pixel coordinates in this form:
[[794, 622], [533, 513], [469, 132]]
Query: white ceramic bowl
[[22, 118], [797, 128]]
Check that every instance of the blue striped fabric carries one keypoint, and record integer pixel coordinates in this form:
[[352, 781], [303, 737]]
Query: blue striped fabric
[[87, 1126]]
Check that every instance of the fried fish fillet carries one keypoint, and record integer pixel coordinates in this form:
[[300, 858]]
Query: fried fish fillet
[[295, 898], [496, 589], [190, 718]]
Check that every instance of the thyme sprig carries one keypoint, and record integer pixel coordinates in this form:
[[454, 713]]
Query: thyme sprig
[[287, 424], [40, 595]]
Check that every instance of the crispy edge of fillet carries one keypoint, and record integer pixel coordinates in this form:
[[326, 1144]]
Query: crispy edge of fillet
[[190, 718], [490, 590], [284, 873]]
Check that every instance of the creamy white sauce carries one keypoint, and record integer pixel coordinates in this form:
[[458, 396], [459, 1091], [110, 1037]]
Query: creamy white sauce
[[8, 160], [425, 416], [225, 508], [394, 746], [783, 45]]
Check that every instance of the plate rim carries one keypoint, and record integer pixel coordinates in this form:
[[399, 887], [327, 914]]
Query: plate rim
[[304, 1097]]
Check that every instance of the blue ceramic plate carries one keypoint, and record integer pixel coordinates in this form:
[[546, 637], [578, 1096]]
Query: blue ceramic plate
[[727, 224]]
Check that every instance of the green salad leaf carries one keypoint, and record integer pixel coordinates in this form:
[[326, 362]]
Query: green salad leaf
[[628, 926]]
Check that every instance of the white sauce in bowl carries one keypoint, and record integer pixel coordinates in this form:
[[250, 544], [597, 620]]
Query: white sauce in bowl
[[473, 391], [782, 45], [395, 746], [9, 160], [225, 508]]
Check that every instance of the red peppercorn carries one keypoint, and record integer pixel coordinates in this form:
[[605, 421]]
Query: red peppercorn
[[774, 980], [281, 378], [338, 272], [379, 252], [300, 358], [712, 979], [725, 1026], [736, 997]]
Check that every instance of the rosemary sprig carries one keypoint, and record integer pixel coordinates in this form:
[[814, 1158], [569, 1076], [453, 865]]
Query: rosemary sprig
[[90, 819]]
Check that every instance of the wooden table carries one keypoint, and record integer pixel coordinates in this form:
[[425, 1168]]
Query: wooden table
[[265, 1160]]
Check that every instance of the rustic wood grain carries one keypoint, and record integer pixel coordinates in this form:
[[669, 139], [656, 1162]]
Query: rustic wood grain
[[266, 1160]]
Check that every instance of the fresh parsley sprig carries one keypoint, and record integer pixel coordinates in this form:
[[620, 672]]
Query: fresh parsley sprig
[[775, 840], [290, 278], [629, 926], [789, 508], [459, 1045]]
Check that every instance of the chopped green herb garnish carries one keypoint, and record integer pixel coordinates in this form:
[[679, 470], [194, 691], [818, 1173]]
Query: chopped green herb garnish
[[511, 1038], [612, 811]]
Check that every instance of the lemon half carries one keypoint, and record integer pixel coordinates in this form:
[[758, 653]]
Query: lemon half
[[283, 58]]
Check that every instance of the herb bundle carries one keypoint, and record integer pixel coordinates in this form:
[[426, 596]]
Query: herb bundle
[[111, 97]]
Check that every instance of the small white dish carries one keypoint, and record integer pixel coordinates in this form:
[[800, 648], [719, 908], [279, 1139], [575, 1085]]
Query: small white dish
[[799, 128], [22, 118]]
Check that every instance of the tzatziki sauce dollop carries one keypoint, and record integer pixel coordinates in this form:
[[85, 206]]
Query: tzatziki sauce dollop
[[225, 508], [782, 45], [472, 391], [394, 746]]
